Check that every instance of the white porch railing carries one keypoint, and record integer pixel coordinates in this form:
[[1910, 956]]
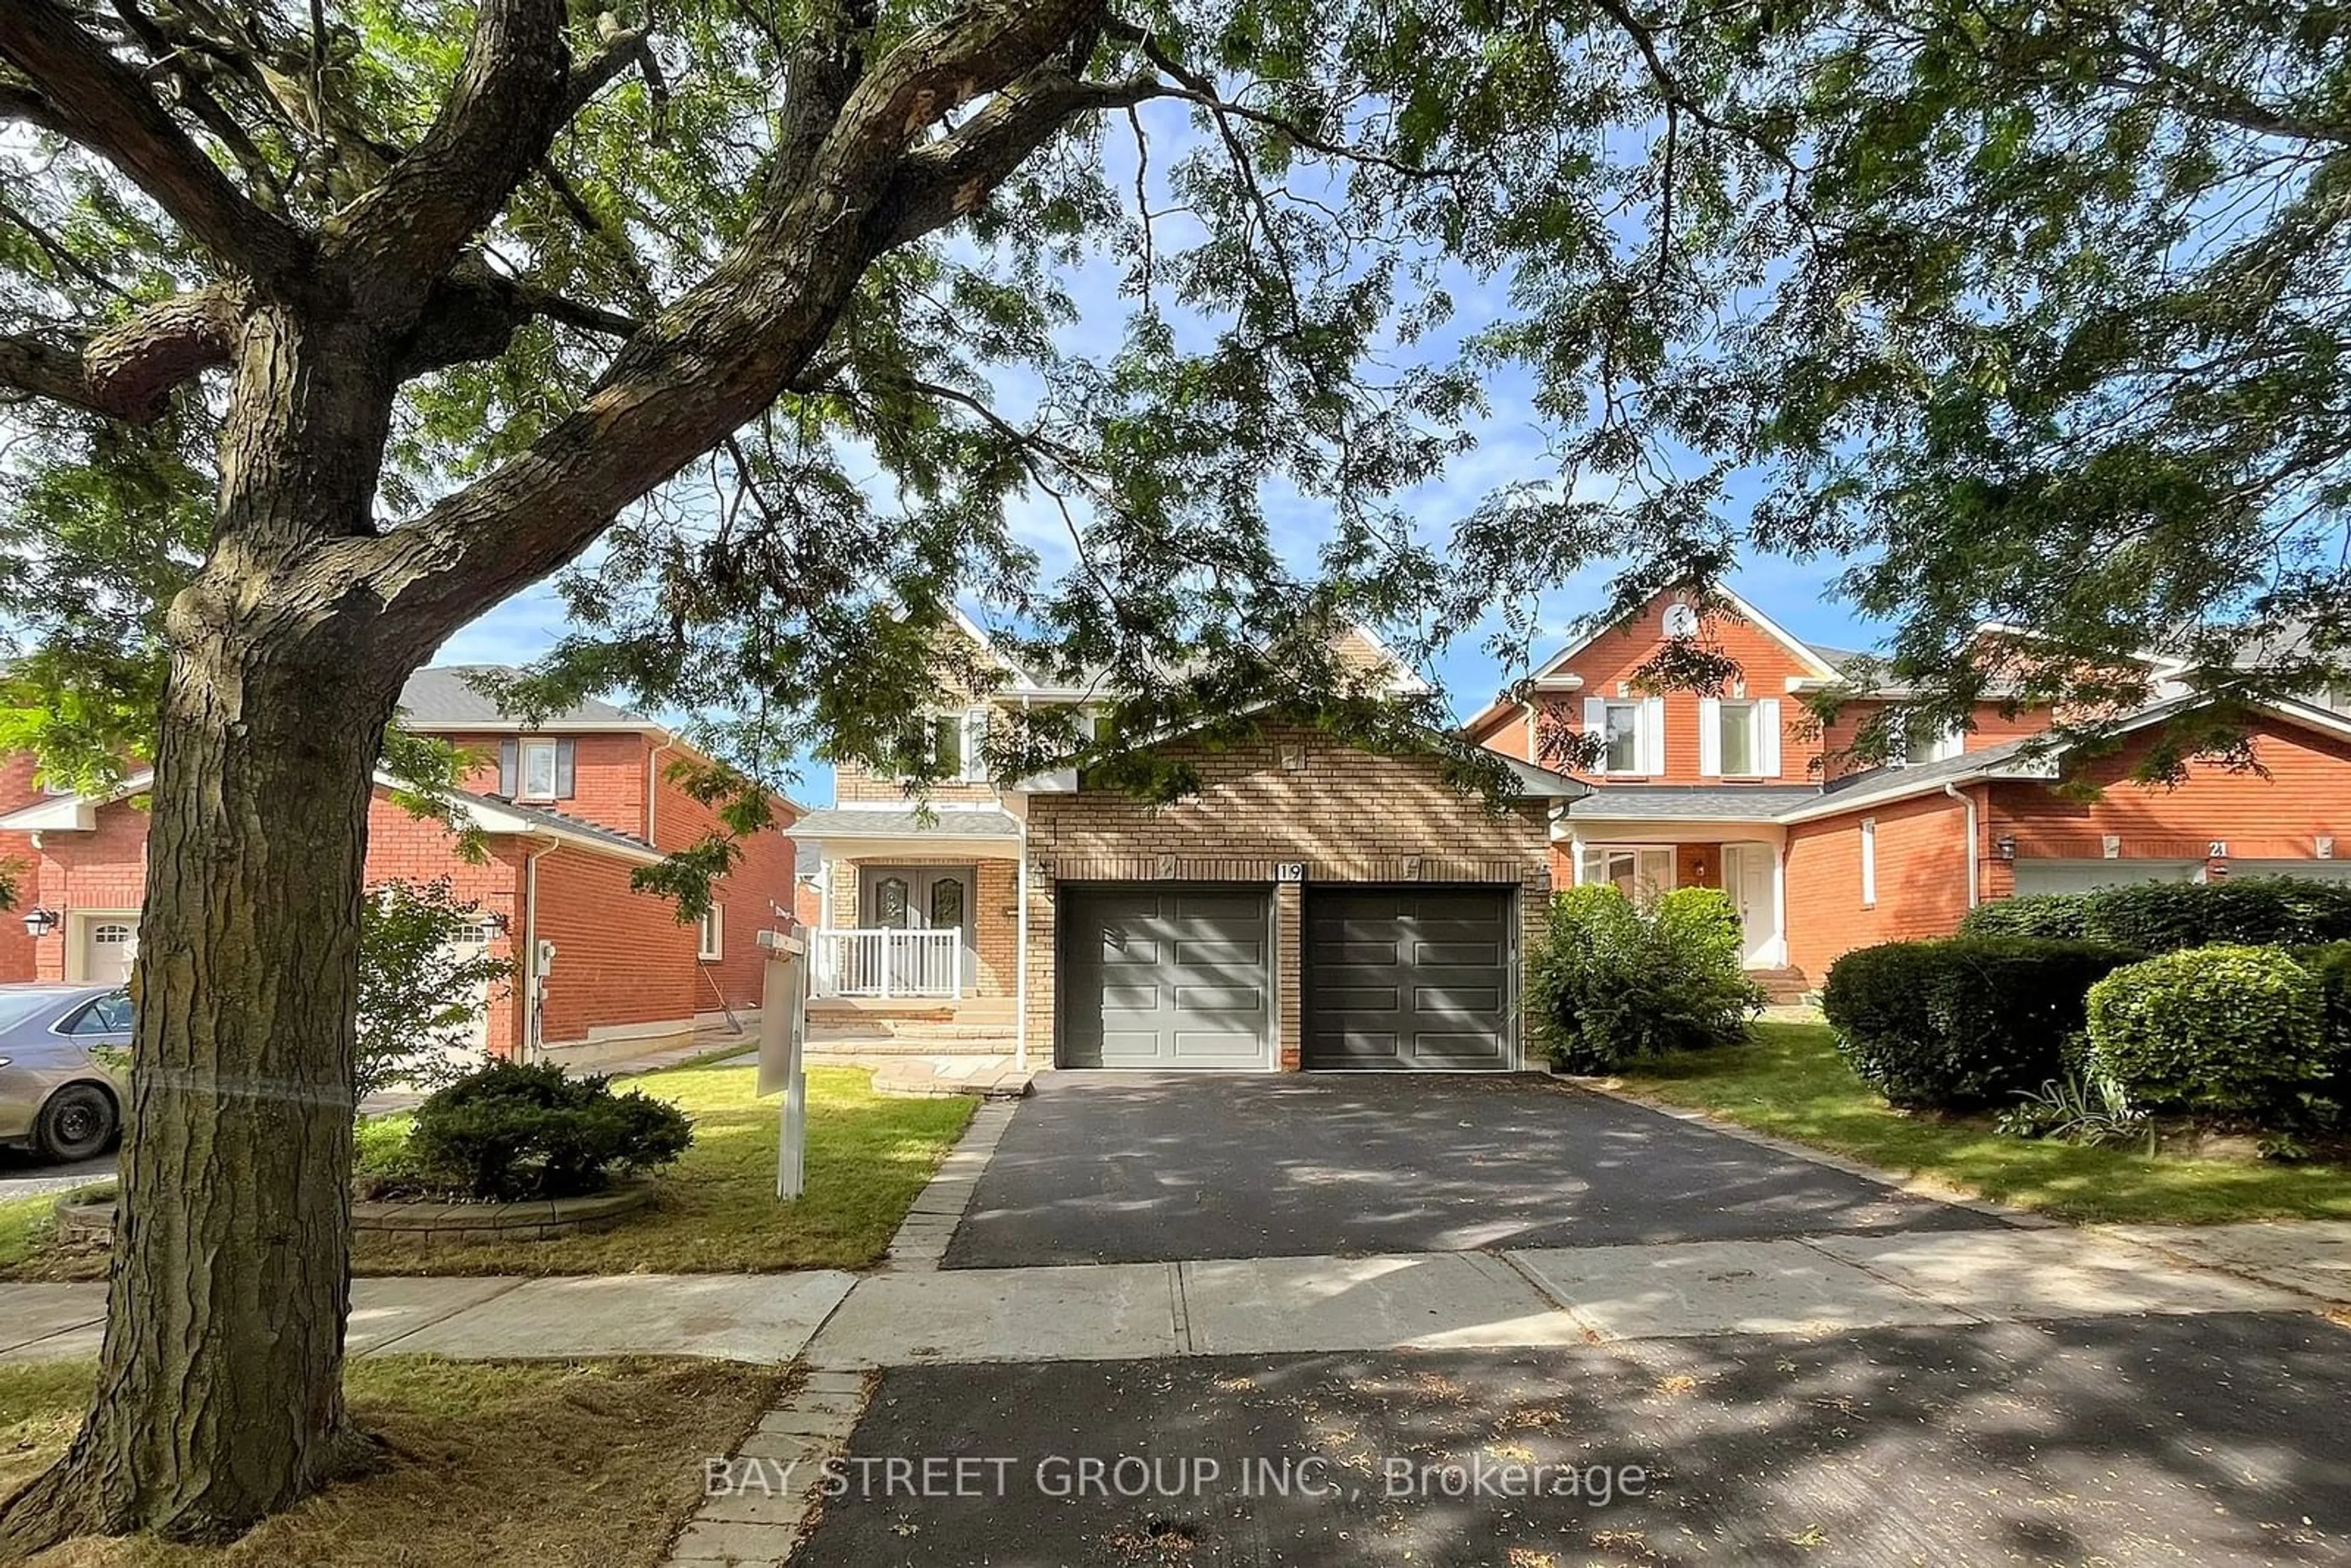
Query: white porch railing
[[886, 962]]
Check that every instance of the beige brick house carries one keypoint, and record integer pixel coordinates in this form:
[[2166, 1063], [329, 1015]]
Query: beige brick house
[[1312, 905]]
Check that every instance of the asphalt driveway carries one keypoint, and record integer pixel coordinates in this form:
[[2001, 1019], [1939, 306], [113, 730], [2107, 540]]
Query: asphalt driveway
[[2218, 1440], [1100, 1168]]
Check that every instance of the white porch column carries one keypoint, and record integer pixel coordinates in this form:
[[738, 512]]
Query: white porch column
[[1779, 903], [1021, 960]]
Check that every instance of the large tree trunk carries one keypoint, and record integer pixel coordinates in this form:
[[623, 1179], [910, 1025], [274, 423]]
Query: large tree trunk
[[220, 1393]]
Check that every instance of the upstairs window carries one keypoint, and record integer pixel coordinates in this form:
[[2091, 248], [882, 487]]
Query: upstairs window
[[956, 743], [538, 771], [1923, 742], [1742, 748], [535, 767], [1739, 739], [1631, 733], [1623, 728]]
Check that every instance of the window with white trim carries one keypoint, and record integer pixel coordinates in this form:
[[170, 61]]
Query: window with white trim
[[537, 776], [1739, 733], [1622, 728], [1923, 742], [958, 745], [1629, 732], [1869, 861], [1738, 737], [710, 934], [1637, 870]]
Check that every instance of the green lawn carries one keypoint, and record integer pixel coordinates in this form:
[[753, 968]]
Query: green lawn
[[867, 1158], [586, 1465], [1790, 1082], [23, 1226]]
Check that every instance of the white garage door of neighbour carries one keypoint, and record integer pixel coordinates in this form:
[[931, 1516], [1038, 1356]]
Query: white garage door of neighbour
[[110, 942], [2317, 871], [2083, 876]]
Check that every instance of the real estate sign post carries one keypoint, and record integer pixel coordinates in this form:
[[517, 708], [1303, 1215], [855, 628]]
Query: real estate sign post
[[783, 1040]]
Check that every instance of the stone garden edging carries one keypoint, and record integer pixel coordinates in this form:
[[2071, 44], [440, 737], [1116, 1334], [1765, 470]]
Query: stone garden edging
[[84, 1218]]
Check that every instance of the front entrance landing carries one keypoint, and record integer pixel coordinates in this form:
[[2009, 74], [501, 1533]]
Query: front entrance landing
[[1175, 1167]]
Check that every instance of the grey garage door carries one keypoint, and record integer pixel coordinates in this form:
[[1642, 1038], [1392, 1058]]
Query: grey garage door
[[1408, 977], [1165, 977]]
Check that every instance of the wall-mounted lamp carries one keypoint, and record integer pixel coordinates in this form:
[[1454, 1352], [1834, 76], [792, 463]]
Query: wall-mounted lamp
[[497, 923], [2005, 847], [39, 922]]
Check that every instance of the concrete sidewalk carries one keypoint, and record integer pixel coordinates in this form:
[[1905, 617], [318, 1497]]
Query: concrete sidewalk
[[1518, 1299]]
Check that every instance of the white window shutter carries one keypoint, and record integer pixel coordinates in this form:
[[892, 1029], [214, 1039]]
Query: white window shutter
[[975, 738], [1710, 738], [1595, 724], [1652, 735], [1767, 722]]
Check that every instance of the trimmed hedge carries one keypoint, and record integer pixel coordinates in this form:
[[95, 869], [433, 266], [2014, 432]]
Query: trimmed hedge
[[2231, 1029], [1618, 982], [1963, 1022], [2331, 966], [2168, 916], [2048, 916]]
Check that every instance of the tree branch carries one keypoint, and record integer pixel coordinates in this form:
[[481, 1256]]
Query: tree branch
[[622, 49], [128, 371], [945, 180], [498, 122], [98, 102], [725, 348], [1196, 86]]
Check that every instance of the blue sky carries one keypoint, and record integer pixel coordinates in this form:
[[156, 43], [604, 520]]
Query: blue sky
[[1511, 447]]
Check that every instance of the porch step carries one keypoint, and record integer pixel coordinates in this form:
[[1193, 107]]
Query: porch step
[[986, 1009], [1785, 984], [915, 1030], [836, 1047]]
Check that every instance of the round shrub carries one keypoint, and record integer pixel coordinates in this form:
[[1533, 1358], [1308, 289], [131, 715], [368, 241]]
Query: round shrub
[[1964, 1022], [2234, 1030], [1618, 982], [515, 1130]]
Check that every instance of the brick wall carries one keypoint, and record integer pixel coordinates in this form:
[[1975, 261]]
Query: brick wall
[[608, 777], [1612, 659], [1992, 728], [1922, 879], [1286, 795], [854, 784], [622, 957], [403, 847], [2306, 795], [17, 791], [765, 879]]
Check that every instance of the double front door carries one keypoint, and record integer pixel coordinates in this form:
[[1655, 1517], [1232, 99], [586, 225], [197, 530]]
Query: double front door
[[923, 898]]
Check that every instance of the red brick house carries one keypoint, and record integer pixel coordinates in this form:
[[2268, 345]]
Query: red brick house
[[569, 808], [1748, 792]]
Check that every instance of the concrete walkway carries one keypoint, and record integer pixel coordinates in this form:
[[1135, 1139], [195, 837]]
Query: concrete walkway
[[2312, 1255], [1544, 1297]]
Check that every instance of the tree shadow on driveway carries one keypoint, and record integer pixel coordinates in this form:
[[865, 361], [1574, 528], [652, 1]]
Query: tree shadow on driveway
[[2212, 1440], [1099, 1168]]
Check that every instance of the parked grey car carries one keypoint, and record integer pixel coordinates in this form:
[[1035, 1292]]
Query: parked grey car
[[64, 1068]]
